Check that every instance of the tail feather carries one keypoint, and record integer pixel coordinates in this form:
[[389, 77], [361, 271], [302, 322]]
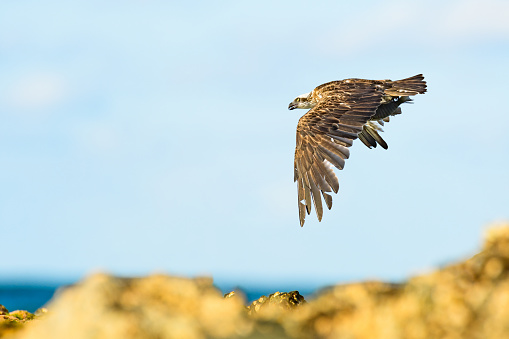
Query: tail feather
[[409, 86]]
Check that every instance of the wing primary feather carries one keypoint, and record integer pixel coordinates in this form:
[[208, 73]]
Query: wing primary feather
[[367, 140], [345, 152], [353, 129], [328, 200], [300, 190], [342, 141], [339, 150], [302, 213], [328, 174], [300, 197], [307, 193], [318, 178], [342, 134], [334, 159], [307, 159], [304, 182], [373, 133], [317, 199]]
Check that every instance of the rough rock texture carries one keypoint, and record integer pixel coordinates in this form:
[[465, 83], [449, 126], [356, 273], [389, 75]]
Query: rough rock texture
[[3, 310], [12, 321], [465, 300], [274, 304]]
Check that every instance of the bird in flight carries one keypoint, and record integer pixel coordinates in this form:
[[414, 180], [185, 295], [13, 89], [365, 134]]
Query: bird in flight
[[340, 112]]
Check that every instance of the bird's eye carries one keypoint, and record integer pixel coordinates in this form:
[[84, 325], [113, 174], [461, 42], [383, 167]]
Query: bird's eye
[[298, 99]]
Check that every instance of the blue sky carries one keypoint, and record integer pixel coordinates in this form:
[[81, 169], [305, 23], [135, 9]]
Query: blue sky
[[154, 136]]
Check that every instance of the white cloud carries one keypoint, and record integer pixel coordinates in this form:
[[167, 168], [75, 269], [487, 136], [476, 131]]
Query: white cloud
[[476, 18], [399, 23], [36, 91]]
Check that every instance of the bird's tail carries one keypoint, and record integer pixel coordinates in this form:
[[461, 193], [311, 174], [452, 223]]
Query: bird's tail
[[409, 86]]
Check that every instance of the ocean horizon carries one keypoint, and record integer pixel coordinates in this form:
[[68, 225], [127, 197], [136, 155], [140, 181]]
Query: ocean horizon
[[31, 296]]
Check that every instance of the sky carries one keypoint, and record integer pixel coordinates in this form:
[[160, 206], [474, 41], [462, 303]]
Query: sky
[[154, 136]]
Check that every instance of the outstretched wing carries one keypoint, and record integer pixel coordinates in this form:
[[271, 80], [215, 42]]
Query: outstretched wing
[[324, 134]]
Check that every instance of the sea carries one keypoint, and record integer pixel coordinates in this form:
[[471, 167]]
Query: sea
[[30, 297], [25, 297]]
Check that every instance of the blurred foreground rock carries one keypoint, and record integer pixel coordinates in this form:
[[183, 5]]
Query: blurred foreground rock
[[13, 321], [465, 300]]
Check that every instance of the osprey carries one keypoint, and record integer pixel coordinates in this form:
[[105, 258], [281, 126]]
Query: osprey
[[340, 112]]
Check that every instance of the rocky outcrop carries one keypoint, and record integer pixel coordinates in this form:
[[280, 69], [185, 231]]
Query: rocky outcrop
[[12, 321], [275, 303], [465, 300]]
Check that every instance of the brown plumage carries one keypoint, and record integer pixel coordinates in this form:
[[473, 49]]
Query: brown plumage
[[340, 112]]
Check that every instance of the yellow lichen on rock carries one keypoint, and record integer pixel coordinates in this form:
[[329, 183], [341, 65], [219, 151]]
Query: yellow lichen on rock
[[10, 322]]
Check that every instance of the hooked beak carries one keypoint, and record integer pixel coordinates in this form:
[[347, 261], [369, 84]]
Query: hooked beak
[[292, 106]]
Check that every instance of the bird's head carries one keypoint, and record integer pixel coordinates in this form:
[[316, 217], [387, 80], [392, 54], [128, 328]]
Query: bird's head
[[302, 101]]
